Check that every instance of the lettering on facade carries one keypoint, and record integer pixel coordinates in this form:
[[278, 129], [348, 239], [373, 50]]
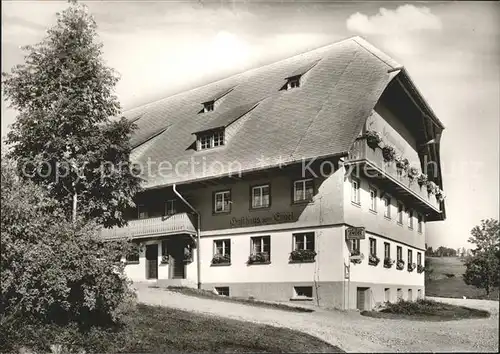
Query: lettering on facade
[[355, 233], [276, 218]]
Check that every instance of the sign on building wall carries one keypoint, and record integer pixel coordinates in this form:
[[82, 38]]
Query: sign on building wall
[[355, 233], [276, 218]]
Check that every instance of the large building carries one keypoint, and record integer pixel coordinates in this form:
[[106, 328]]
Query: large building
[[310, 179]]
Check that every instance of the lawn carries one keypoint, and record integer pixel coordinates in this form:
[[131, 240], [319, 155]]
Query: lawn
[[151, 329], [426, 310], [446, 280], [257, 303]]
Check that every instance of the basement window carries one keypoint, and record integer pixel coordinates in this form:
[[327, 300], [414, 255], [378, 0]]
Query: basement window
[[210, 140], [291, 83], [222, 290], [302, 292]]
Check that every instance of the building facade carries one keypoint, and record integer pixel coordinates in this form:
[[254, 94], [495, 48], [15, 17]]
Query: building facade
[[310, 179]]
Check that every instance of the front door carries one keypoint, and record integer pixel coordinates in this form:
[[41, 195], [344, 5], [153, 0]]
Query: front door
[[177, 265], [361, 299], [152, 261]]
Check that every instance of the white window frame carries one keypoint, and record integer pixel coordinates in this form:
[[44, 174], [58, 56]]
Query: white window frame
[[420, 218], [355, 190], [170, 207], [387, 250], [419, 258], [373, 199], [211, 140], [226, 201], [208, 106], [355, 245], [373, 241], [226, 247], [410, 256], [303, 183], [308, 238], [399, 253], [293, 82], [387, 207], [410, 218], [400, 213], [261, 195], [260, 239]]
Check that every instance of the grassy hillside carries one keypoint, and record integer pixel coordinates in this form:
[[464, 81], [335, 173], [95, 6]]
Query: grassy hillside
[[446, 280]]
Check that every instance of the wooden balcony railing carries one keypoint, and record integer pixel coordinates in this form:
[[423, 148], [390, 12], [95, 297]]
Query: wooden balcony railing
[[180, 223], [360, 152]]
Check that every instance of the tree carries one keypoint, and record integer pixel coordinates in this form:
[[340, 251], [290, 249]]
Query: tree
[[53, 270], [66, 136], [483, 267]]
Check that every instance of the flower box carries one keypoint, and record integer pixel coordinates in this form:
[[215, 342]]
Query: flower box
[[373, 139], [356, 253], [400, 265], [221, 259], [373, 260], [388, 263], [165, 259], [420, 268], [259, 257], [411, 267], [302, 256]]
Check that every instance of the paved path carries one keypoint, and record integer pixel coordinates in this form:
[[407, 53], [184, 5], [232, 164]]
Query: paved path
[[351, 331]]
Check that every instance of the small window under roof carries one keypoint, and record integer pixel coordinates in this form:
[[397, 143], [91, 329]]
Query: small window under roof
[[293, 80], [209, 105]]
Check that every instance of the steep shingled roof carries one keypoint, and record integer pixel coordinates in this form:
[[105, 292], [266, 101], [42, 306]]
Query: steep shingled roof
[[321, 118]]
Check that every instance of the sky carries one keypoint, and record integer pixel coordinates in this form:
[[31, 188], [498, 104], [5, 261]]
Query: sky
[[450, 49]]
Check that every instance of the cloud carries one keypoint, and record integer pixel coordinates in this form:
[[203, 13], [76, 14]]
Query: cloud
[[406, 18]]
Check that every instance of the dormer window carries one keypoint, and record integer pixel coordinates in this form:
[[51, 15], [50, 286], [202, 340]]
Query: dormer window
[[208, 106], [210, 140], [291, 83]]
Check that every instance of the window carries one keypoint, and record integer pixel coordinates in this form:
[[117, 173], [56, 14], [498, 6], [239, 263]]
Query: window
[[373, 247], [133, 255], [399, 253], [303, 241], [387, 250], [222, 248], [261, 196], [419, 258], [211, 140], [164, 245], [208, 106], [419, 294], [400, 213], [303, 292], [262, 245], [400, 294], [292, 82], [387, 207], [142, 212], [222, 202], [410, 295], [420, 221], [355, 246], [222, 290], [373, 199], [355, 191], [170, 207], [410, 219], [387, 294], [410, 256], [303, 190]]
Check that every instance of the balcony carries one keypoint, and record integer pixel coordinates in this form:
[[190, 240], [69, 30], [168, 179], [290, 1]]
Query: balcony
[[181, 223], [393, 180]]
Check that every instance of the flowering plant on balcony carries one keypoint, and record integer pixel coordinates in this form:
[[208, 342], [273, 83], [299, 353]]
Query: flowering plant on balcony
[[373, 138], [400, 264], [221, 259], [420, 268], [389, 153], [164, 259], [356, 253], [259, 257], [439, 194], [302, 255], [373, 260], [422, 179], [188, 255], [411, 267], [431, 187], [388, 263], [413, 173], [402, 164]]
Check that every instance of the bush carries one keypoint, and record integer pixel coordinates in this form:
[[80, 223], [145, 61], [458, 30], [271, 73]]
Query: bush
[[54, 271]]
